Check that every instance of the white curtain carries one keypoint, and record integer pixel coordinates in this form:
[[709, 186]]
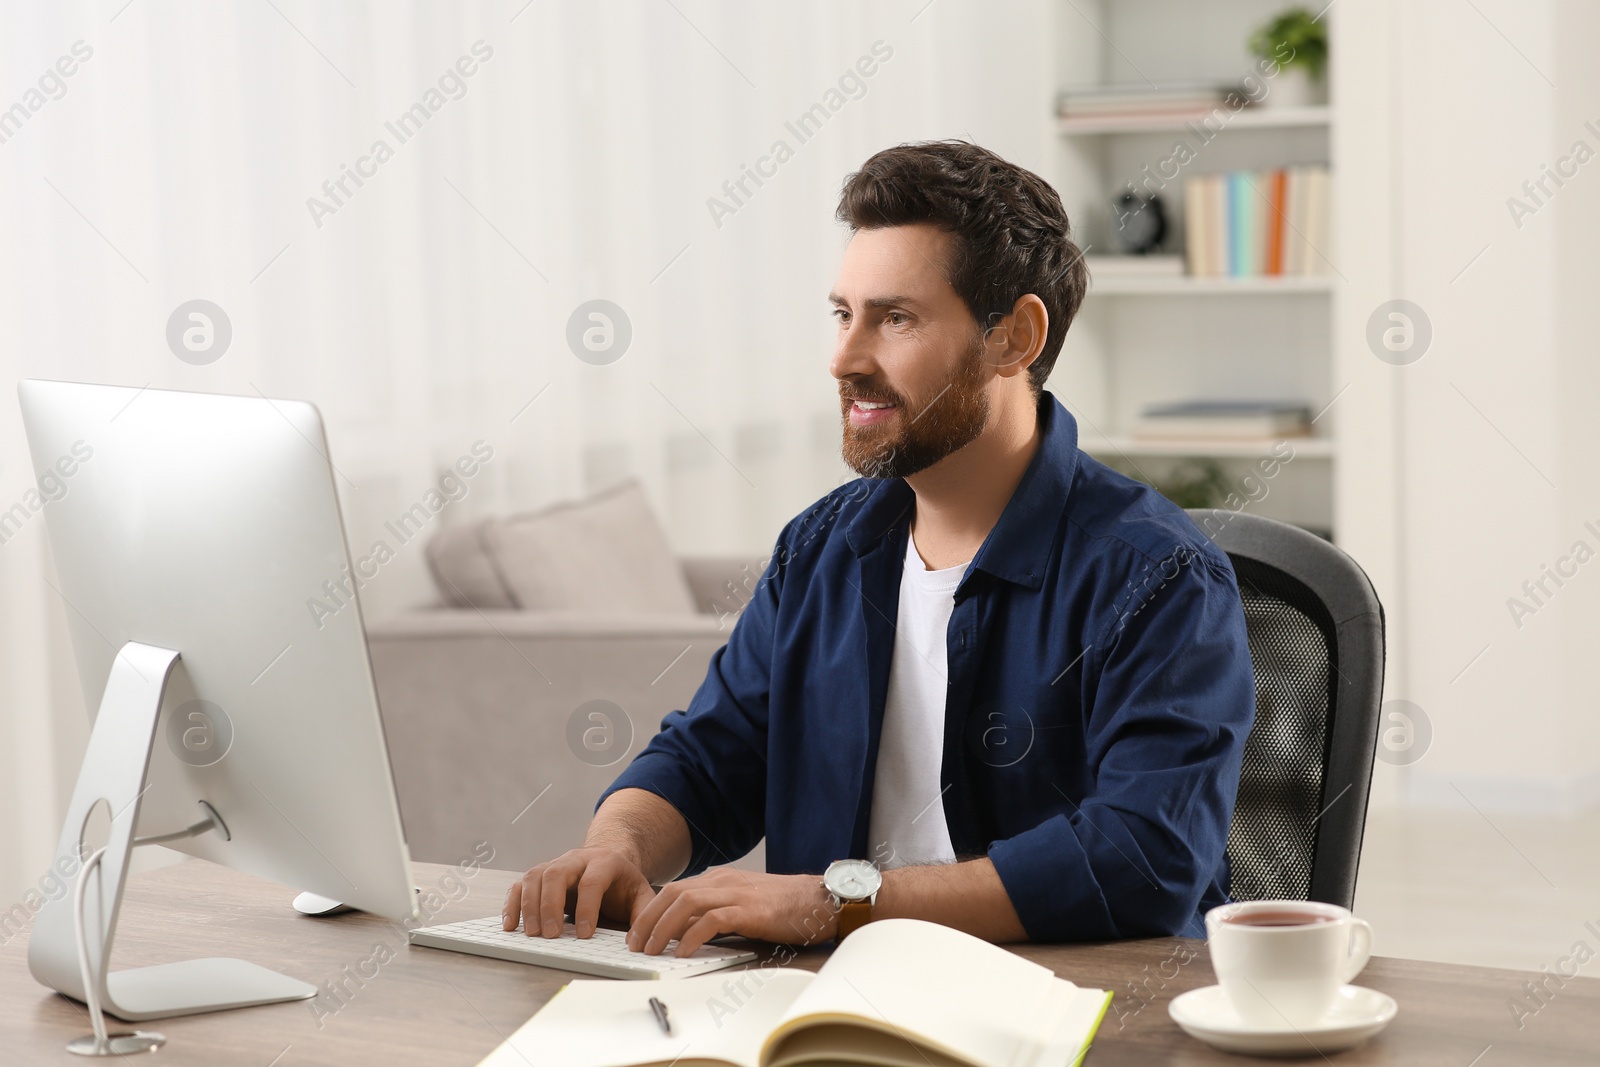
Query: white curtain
[[425, 308]]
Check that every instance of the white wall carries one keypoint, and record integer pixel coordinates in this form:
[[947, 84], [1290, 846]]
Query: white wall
[[432, 307], [1494, 438]]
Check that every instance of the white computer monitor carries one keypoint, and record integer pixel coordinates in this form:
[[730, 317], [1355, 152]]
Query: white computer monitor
[[191, 534]]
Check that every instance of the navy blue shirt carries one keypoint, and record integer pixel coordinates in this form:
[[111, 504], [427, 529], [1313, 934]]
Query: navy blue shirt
[[1100, 693]]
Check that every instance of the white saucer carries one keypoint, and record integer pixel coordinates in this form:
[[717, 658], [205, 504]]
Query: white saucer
[[1356, 1015]]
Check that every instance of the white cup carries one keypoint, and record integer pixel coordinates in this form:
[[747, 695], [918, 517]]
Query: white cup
[[1281, 962]]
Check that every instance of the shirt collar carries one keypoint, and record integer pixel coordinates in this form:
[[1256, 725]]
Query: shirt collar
[[1018, 548]]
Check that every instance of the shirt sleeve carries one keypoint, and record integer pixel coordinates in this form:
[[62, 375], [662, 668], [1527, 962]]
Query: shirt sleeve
[[1167, 712], [709, 761]]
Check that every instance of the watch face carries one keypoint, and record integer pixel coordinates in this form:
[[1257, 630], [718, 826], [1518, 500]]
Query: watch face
[[852, 879]]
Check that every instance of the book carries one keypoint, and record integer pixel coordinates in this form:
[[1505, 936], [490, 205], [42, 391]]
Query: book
[[1196, 236], [1106, 101], [1217, 224], [1258, 223], [1239, 218], [1256, 184], [1294, 245], [1261, 208], [1217, 419], [895, 993], [1275, 222], [1317, 223]]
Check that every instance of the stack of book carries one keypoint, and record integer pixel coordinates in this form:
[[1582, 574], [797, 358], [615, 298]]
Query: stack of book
[[1264, 222], [1224, 420], [1142, 101]]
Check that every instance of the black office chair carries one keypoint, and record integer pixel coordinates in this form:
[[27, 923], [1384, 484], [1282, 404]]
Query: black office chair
[[1316, 641]]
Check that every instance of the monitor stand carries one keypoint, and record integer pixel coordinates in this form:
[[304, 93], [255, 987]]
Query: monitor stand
[[114, 770]]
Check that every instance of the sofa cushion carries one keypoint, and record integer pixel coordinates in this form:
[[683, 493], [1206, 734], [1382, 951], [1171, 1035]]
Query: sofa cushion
[[604, 553], [458, 557]]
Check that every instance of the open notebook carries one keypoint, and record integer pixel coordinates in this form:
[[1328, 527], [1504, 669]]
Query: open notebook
[[896, 993]]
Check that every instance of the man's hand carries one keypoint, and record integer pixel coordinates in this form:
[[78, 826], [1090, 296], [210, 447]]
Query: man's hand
[[589, 882], [788, 908]]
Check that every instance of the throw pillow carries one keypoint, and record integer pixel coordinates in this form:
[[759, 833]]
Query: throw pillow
[[605, 553]]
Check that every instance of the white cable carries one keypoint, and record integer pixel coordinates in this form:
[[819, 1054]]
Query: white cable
[[86, 973], [178, 835], [91, 981]]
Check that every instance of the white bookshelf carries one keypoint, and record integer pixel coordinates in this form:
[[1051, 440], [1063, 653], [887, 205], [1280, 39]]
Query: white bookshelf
[[1249, 118], [1142, 339], [1109, 284]]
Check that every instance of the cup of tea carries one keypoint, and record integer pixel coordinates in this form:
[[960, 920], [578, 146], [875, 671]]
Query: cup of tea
[[1281, 962]]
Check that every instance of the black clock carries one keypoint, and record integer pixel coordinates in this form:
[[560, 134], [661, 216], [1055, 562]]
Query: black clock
[[1138, 223]]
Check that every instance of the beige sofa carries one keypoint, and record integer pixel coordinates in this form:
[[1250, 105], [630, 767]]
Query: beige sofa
[[505, 726]]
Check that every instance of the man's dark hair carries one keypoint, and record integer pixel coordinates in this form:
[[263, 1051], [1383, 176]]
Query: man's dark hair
[[1011, 234]]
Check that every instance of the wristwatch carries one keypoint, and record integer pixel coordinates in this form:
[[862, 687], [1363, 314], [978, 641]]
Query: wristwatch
[[853, 885]]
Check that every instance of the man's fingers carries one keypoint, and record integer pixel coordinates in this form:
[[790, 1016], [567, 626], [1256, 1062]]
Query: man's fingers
[[592, 888], [643, 897], [511, 910], [558, 878], [531, 883], [592, 881], [689, 906], [714, 922], [645, 921]]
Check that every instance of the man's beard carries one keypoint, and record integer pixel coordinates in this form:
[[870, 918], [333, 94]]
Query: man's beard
[[952, 418]]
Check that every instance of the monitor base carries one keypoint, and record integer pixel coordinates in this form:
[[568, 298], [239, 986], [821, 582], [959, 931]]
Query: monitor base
[[122, 1043], [196, 986], [114, 770]]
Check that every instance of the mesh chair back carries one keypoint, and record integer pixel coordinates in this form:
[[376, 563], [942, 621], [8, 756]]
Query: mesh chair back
[[1316, 643]]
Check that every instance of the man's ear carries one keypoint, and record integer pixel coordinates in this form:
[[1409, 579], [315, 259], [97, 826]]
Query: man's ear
[[1012, 342]]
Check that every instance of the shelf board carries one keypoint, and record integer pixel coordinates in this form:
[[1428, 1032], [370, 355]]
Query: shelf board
[[1250, 118], [1304, 447], [1187, 285]]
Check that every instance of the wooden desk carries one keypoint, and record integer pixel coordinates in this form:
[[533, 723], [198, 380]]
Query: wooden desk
[[424, 1006]]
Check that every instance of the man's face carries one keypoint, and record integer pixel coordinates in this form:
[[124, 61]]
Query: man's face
[[913, 384]]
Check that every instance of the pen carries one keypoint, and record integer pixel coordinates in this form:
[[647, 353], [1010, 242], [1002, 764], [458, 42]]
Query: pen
[[660, 1011]]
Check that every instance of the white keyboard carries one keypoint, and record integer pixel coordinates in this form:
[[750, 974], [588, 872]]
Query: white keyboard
[[605, 955]]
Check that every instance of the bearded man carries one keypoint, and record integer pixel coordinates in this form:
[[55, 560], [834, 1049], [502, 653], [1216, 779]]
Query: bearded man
[[991, 684]]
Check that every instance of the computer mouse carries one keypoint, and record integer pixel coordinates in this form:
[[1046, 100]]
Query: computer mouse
[[312, 904]]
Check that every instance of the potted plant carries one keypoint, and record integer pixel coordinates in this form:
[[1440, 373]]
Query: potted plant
[[1297, 43]]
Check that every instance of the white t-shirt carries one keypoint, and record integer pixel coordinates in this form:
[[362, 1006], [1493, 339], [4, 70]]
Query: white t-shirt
[[908, 824]]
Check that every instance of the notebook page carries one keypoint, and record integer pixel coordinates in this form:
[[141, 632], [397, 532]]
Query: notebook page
[[722, 1017], [1079, 1014], [838, 1044], [926, 982], [1070, 1033]]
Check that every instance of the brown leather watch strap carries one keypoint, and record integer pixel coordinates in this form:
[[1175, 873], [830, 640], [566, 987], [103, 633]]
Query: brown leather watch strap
[[853, 915]]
